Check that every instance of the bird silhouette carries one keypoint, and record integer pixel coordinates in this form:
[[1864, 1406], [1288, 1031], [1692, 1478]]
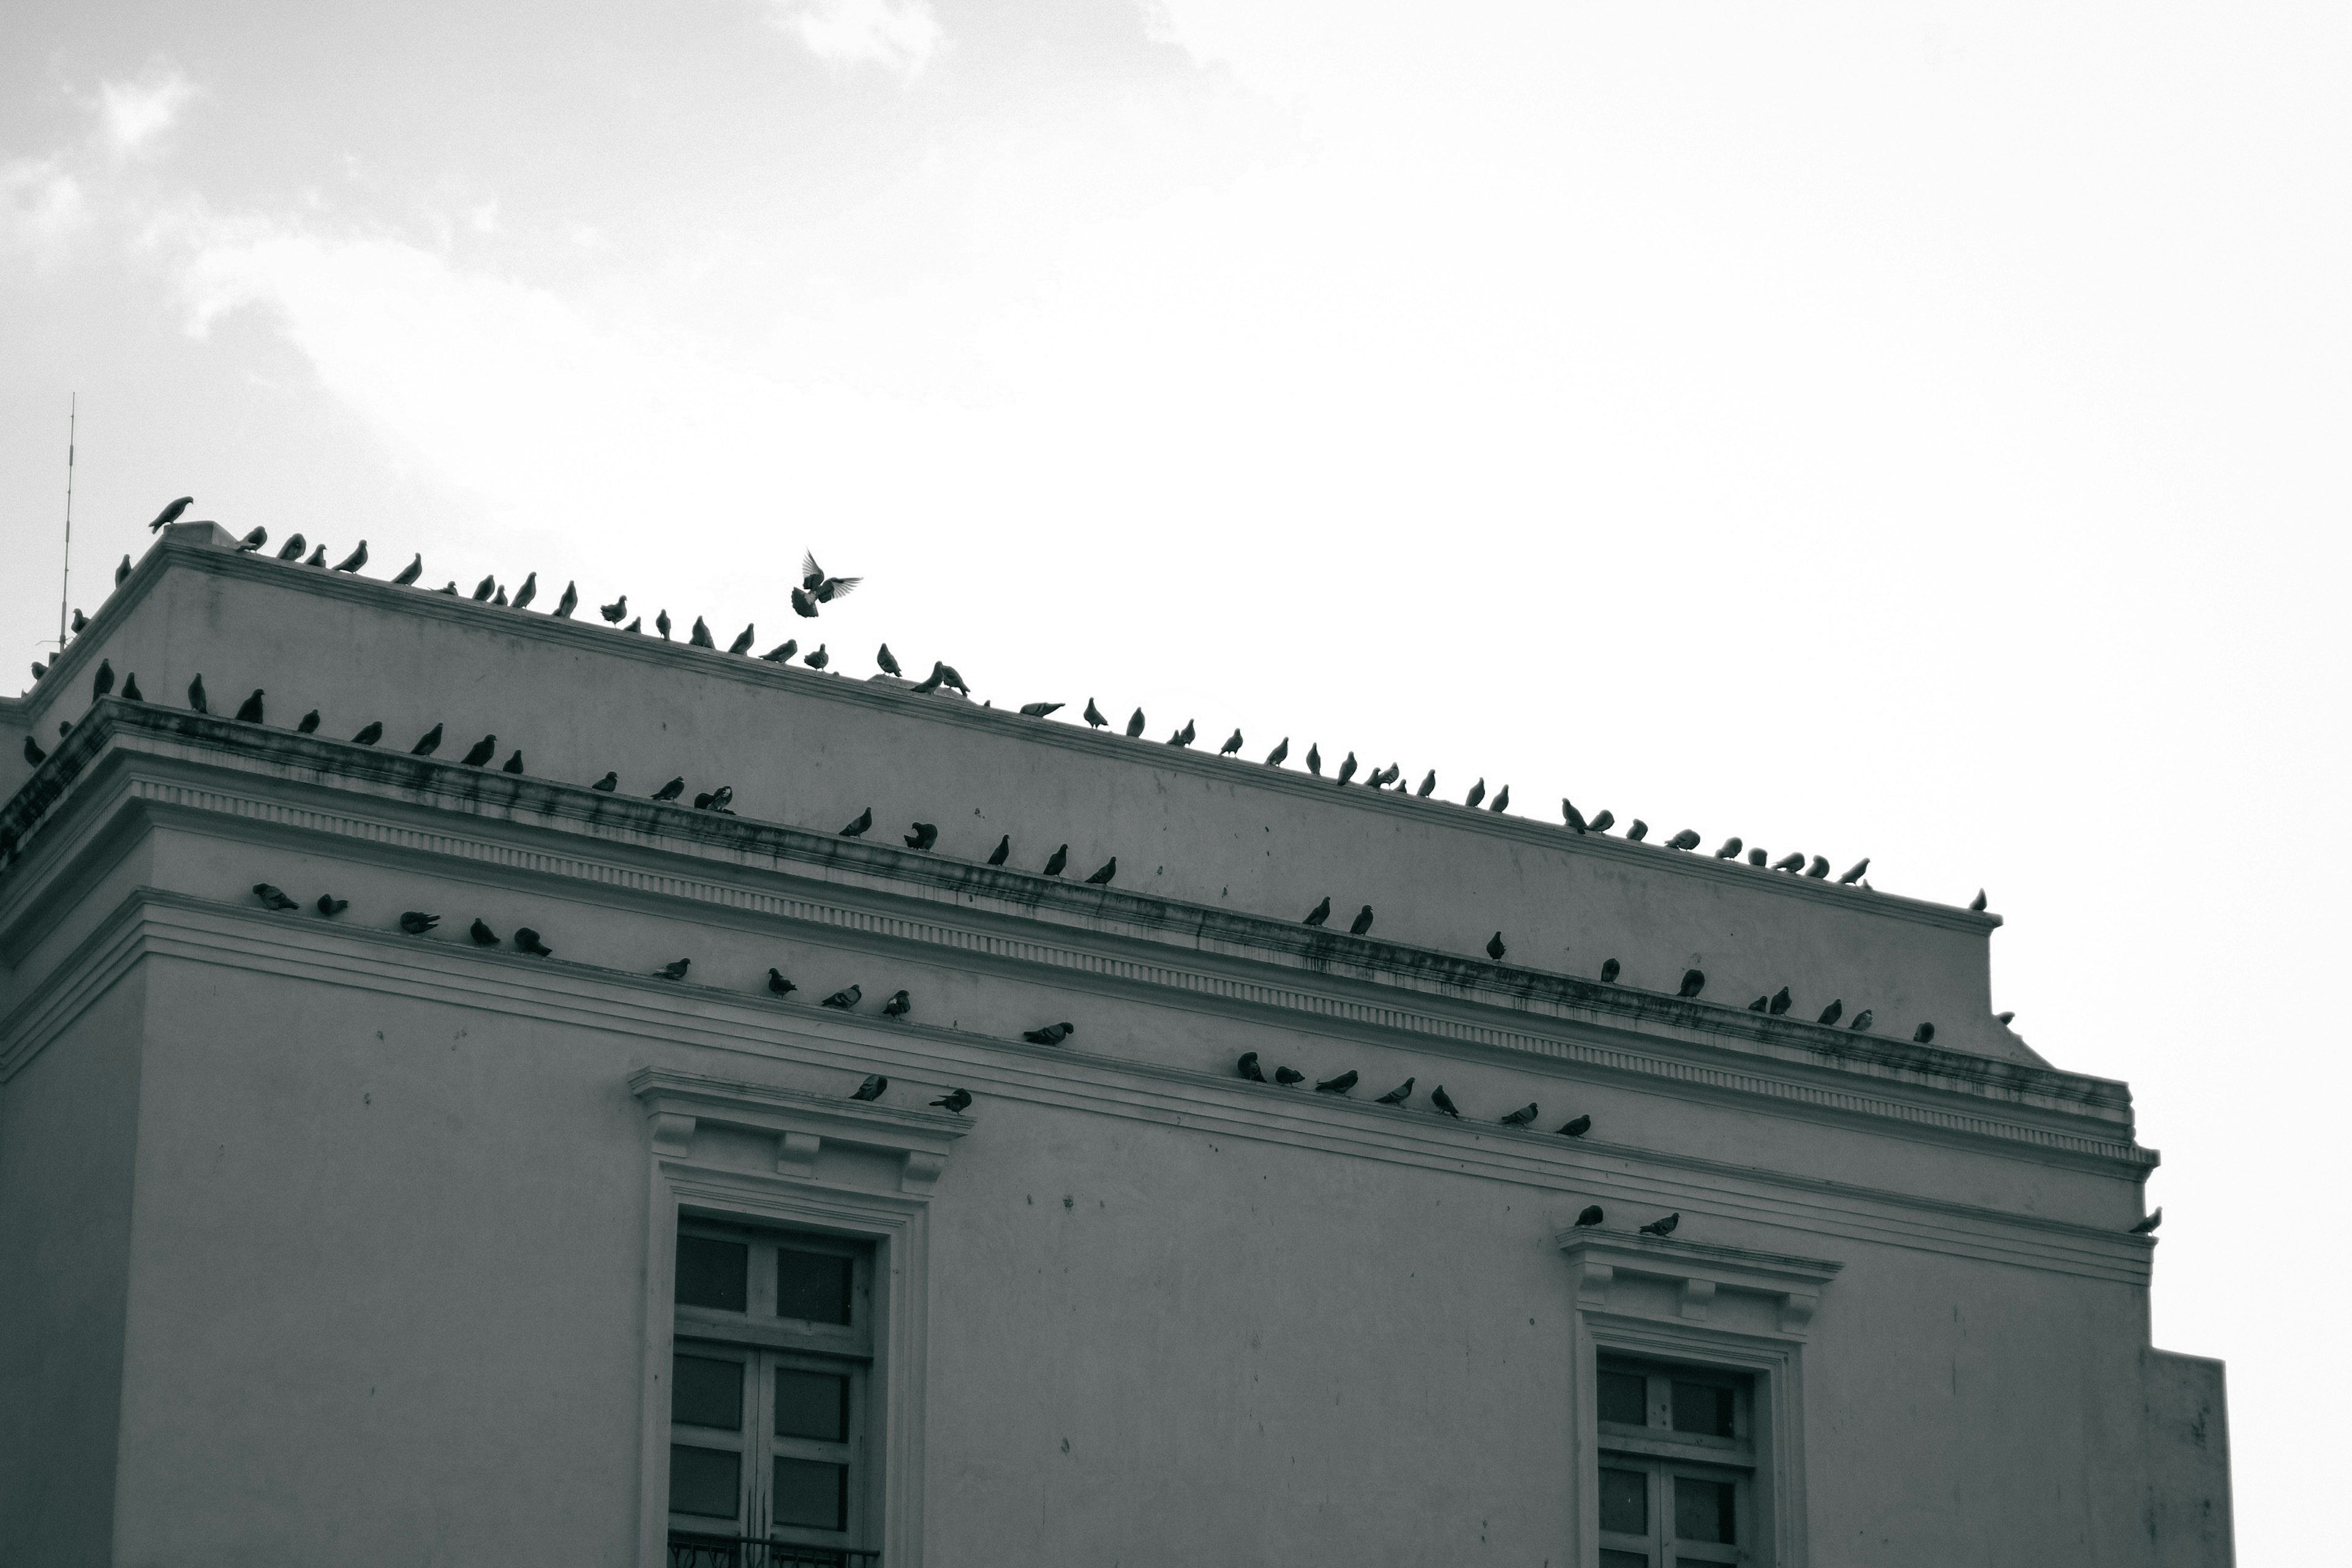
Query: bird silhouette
[[514, 763], [1610, 969], [1977, 903], [252, 542], [410, 573], [1288, 1077], [856, 829], [1314, 759], [370, 732], [103, 681], [779, 984], [872, 1088], [926, 833], [1397, 1095], [307, 724], [818, 659], [1051, 1035], [955, 1100], [272, 898], [802, 604], [2147, 1226], [1576, 1127], [1094, 715], [171, 514], [700, 636], [845, 999], [674, 970], [569, 603], [483, 589], [1638, 831], [427, 743], [1247, 1067], [1038, 709], [1428, 785], [783, 652], [1519, 1118], [1569, 813], [888, 662], [482, 934], [527, 593], [824, 590], [1924, 1035], [671, 790], [1759, 1005], [1587, 1216], [1788, 863], [1779, 1003], [1729, 850], [1182, 737], [1232, 743], [125, 570], [1833, 1013], [293, 548], [1110, 869], [1443, 1102], [1477, 792], [1694, 982], [1348, 768], [131, 692], [608, 783], [1057, 860], [615, 610], [415, 923], [249, 711], [1319, 913], [742, 643], [1820, 867], [1340, 1085], [1756, 857], [2003, 1019], [1860, 1020], [318, 557], [1604, 822], [1363, 923], [1135, 724], [330, 906], [1854, 872], [1503, 800], [1495, 948], [1274, 758], [898, 1005], [196, 695], [527, 941], [996, 856], [720, 800], [499, 599], [1663, 1227], [481, 752], [930, 683]]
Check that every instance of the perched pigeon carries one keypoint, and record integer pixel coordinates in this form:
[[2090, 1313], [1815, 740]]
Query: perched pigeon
[[1443, 1102], [662, 623], [1247, 1067], [783, 652], [410, 573], [856, 829], [2004, 1019], [824, 590], [700, 636], [171, 514], [514, 763], [955, 1100], [2147, 1226], [671, 790], [1135, 724], [1569, 813], [1789, 863], [252, 542], [1610, 969], [1319, 913], [1495, 948], [996, 856], [930, 683], [1694, 982], [482, 934], [527, 941], [872, 1088], [1924, 1035], [779, 984], [125, 570], [926, 833], [1363, 923], [32, 753], [742, 643], [196, 695], [1756, 857], [1314, 759], [1519, 1118], [330, 906], [429, 742], [845, 998], [1182, 737], [1093, 715], [1288, 1077], [1340, 1085], [615, 610], [1348, 768], [818, 659], [272, 898], [1854, 872], [1587, 1216], [293, 548], [416, 923], [1477, 792], [1860, 1020], [1638, 831], [1759, 1003], [949, 675], [1051, 1035], [1232, 743], [1977, 903], [308, 724], [1603, 823], [249, 711], [103, 681], [1781, 1000], [1833, 1013], [675, 971], [483, 589], [1503, 801], [898, 1005], [1038, 709], [80, 622], [1576, 1127], [1281, 753], [1820, 867], [1662, 1227], [1057, 860], [1397, 1095], [1103, 873], [527, 593], [370, 733], [608, 783], [481, 752], [1730, 849], [569, 603]]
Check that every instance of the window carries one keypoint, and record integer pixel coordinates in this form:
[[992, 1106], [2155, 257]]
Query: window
[[771, 1455], [1677, 1460]]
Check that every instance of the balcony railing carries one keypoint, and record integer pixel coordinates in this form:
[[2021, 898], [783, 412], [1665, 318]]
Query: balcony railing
[[731, 1552]]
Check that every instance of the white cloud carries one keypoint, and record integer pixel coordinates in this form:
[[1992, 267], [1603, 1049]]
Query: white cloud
[[900, 36], [41, 206], [133, 115]]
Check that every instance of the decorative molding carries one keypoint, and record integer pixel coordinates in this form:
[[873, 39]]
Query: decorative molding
[[802, 1123], [1697, 1270]]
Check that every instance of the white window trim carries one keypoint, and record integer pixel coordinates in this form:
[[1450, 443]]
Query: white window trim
[[799, 1194], [1775, 1360]]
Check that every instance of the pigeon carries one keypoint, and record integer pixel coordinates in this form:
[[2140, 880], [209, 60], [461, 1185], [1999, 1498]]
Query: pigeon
[[483, 589], [1182, 737], [1694, 982], [370, 733], [196, 695], [1759, 1003], [1788, 863], [514, 763], [1820, 867], [411, 573], [1924, 1035], [499, 599], [615, 610], [1348, 768], [527, 593], [671, 790], [857, 829], [675, 971], [888, 663], [721, 800], [125, 570], [1051, 1035], [872, 1088], [428, 744], [1110, 869], [1288, 1077], [1756, 857], [1519, 1118], [416, 923], [79, 621], [818, 659], [2147, 1226], [308, 724], [1135, 724], [1038, 709], [39, 669], [1779, 1003], [1057, 860], [1730, 850], [527, 941], [996, 856], [700, 636], [1502, 801], [824, 590], [1397, 1095], [897, 1006], [293, 548], [272, 898], [481, 752], [926, 833], [1443, 1102], [1232, 743], [1314, 759], [1638, 831], [1610, 969], [1340, 1085], [1576, 1127], [569, 603], [330, 906], [802, 604], [1662, 1227], [608, 783], [1319, 913], [1477, 792], [1247, 1067], [662, 623], [482, 934], [103, 681], [955, 1100], [1588, 1217], [131, 692], [1833, 1013], [948, 674], [1977, 903], [450, 588], [1363, 923], [1860, 1020], [1281, 753], [1603, 823], [779, 984], [1495, 948], [2003, 1019], [930, 683], [845, 999], [1854, 872], [1569, 813], [249, 711], [252, 542], [171, 514]]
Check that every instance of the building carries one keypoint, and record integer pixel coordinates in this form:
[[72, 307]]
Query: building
[[325, 1241]]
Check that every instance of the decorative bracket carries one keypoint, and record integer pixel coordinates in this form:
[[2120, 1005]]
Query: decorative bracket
[[1697, 1270], [803, 1124]]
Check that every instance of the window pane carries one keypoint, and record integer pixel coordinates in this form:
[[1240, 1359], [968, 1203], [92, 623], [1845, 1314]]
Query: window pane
[[1704, 1408], [706, 1393], [712, 1273], [1621, 1396], [812, 1404], [1625, 1502], [703, 1482], [1703, 1510], [812, 1495], [1623, 1559], [813, 1286]]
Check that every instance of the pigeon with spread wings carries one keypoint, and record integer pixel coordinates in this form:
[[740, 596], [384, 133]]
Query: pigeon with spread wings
[[816, 588]]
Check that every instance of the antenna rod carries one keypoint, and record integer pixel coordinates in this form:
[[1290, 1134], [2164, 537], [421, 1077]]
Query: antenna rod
[[65, 586]]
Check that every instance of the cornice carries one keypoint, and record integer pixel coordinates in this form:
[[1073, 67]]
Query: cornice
[[1699, 1272], [154, 924], [802, 1123]]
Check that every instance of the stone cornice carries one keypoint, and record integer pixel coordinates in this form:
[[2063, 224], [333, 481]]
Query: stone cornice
[[802, 1123], [1699, 1271]]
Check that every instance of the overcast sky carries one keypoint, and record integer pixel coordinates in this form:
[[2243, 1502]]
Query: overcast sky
[[1872, 429]]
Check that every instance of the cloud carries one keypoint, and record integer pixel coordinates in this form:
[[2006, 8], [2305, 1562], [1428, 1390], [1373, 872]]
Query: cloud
[[41, 206], [133, 115], [899, 35]]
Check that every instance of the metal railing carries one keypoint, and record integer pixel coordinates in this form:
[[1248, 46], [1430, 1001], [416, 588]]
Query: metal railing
[[745, 1551]]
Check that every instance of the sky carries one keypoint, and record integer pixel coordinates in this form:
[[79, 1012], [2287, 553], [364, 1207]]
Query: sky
[[1911, 431]]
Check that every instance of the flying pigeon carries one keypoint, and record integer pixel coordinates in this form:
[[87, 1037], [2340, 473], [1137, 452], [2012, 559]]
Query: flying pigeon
[[1779, 1004], [249, 711], [1788, 863], [1854, 872], [1820, 867], [272, 898], [427, 743], [700, 636], [872, 1088], [307, 724], [802, 604], [1288, 1077], [1924, 1035], [171, 514], [926, 833], [481, 752], [1495, 948], [252, 542], [1051, 1035], [1694, 982], [196, 695], [955, 1100], [675, 971], [330, 906], [742, 643], [411, 573], [569, 603], [615, 610], [370, 732], [1977, 903], [1232, 743], [1348, 768], [1860, 1020], [1037, 710], [1428, 785], [514, 763], [898, 1005], [1057, 860], [527, 941], [1340, 1085], [1443, 1102], [845, 998], [1503, 801], [1110, 869], [1247, 1067], [1756, 857], [1576, 1127], [1638, 831], [1397, 1095], [818, 659], [1588, 1217], [824, 590], [1319, 913], [1135, 724], [1314, 759], [779, 984], [783, 652], [1274, 758], [2147, 1226], [1569, 813], [482, 934], [1363, 923], [1730, 850], [671, 790], [1609, 971], [608, 783], [527, 593], [1603, 823], [416, 923], [856, 829], [1833, 1013], [1519, 1118], [125, 570], [1004, 847], [1662, 1227], [1477, 792]]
